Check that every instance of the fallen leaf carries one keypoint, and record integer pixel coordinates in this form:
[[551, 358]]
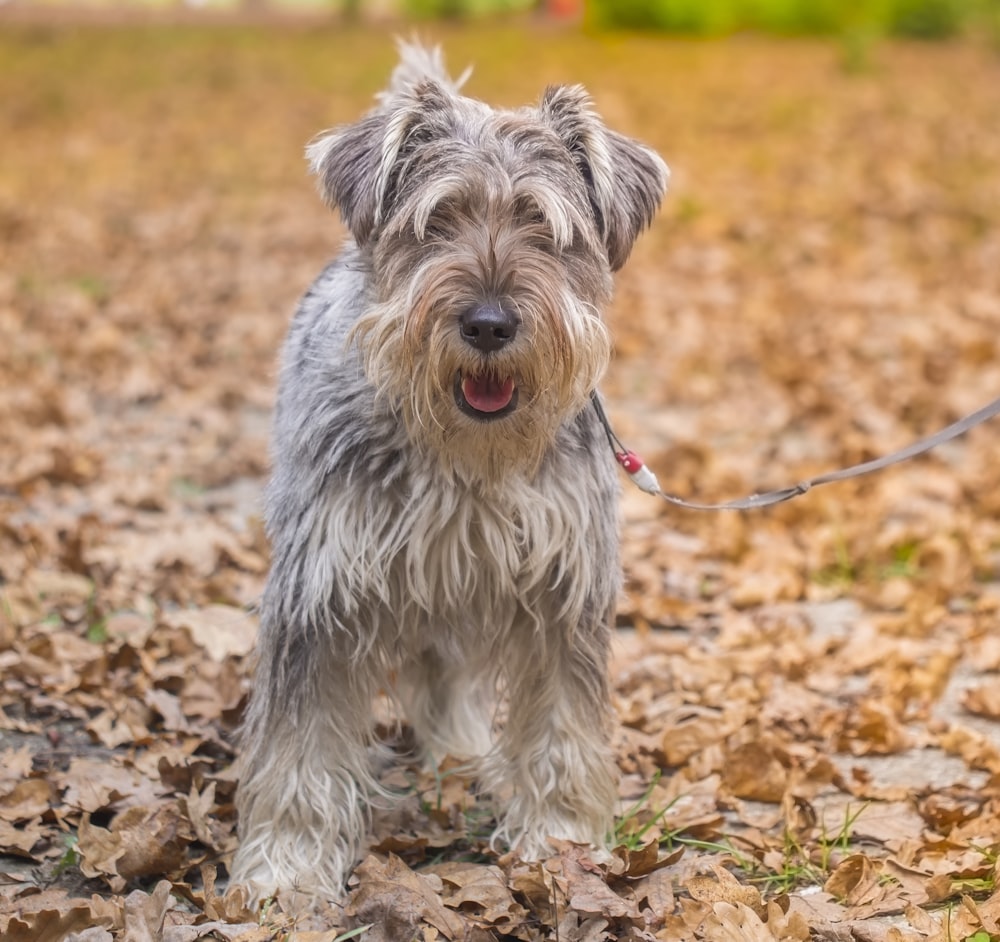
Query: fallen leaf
[[397, 901], [983, 700], [724, 888], [145, 914], [221, 630], [752, 771], [26, 800]]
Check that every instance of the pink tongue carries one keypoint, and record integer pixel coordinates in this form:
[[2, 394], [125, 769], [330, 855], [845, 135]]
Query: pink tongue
[[486, 394]]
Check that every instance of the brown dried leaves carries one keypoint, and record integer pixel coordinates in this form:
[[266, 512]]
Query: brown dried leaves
[[809, 706]]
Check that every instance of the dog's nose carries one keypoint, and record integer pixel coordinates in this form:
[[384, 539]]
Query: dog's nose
[[487, 327]]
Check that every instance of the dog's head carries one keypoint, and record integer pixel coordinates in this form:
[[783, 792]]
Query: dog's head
[[491, 236]]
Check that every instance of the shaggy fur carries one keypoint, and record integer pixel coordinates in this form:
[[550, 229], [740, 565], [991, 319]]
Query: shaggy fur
[[442, 509]]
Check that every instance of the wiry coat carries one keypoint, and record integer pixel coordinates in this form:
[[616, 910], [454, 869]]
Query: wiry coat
[[426, 539]]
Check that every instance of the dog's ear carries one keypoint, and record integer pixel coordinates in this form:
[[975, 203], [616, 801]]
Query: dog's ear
[[626, 180], [360, 166]]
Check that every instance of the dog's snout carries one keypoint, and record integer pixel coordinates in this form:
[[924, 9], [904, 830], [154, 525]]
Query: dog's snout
[[488, 327]]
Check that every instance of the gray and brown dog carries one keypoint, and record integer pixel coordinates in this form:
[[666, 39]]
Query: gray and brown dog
[[443, 505]]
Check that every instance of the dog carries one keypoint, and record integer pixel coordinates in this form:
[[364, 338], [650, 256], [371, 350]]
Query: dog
[[442, 508]]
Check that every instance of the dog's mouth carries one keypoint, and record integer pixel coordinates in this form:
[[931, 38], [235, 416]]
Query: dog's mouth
[[485, 396]]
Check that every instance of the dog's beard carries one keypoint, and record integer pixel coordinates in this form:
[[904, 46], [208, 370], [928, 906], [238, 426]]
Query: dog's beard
[[484, 416]]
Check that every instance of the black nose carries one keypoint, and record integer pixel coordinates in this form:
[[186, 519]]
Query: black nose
[[487, 327]]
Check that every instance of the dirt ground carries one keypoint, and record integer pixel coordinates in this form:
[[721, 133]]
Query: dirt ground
[[809, 697]]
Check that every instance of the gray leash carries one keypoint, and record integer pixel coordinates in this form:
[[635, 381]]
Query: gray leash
[[643, 478]]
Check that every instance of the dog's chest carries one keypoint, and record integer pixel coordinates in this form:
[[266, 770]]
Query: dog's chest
[[455, 555], [467, 551]]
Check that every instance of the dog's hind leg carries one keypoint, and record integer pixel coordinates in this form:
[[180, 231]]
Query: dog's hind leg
[[449, 704]]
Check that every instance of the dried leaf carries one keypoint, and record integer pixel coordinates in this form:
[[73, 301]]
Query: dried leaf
[[770, 668], [26, 800], [397, 901], [852, 879], [724, 888], [482, 891], [752, 771], [737, 922], [983, 700], [221, 630], [141, 842], [145, 914]]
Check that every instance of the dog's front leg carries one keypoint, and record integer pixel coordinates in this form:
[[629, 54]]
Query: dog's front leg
[[554, 761], [306, 777]]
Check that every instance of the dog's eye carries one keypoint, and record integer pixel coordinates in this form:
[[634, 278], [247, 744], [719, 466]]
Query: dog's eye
[[539, 234], [440, 225], [435, 232], [527, 212], [542, 240], [536, 229], [439, 229]]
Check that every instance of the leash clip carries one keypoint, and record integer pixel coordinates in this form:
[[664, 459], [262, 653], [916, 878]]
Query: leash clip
[[636, 469]]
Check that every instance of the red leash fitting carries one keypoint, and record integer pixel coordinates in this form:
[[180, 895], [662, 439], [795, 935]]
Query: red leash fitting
[[636, 469]]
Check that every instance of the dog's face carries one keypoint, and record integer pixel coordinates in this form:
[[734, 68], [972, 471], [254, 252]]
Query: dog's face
[[491, 238]]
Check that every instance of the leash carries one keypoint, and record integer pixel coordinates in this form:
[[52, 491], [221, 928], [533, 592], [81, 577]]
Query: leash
[[645, 480]]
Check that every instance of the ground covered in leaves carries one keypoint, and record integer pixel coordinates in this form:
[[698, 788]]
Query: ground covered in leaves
[[809, 696]]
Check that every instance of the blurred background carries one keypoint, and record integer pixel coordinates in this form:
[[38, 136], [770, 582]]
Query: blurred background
[[915, 18], [821, 286]]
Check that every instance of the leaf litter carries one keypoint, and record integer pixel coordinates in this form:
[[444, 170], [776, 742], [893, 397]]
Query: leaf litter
[[809, 738]]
